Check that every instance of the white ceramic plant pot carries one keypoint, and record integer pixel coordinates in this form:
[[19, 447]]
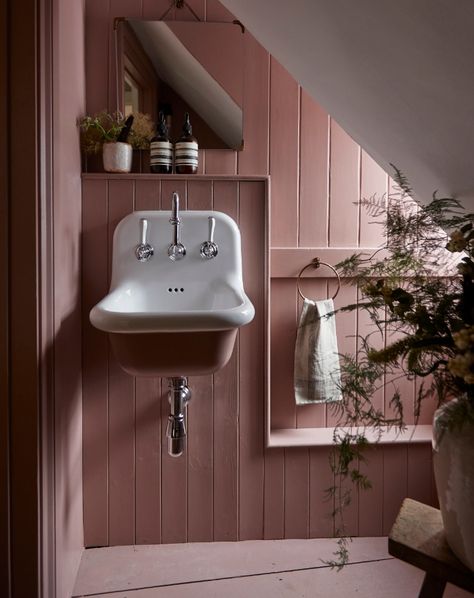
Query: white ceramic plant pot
[[117, 156], [453, 462]]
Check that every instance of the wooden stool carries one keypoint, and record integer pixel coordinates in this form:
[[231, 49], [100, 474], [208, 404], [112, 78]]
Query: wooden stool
[[417, 537]]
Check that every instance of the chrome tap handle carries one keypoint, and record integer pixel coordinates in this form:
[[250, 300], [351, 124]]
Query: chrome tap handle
[[176, 251], [209, 249], [212, 228], [144, 229], [143, 251]]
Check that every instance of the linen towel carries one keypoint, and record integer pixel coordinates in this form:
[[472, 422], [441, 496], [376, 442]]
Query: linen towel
[[317, 369]]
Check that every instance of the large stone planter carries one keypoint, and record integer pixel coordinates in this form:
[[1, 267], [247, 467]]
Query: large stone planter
[[453, 462], [117, 156]]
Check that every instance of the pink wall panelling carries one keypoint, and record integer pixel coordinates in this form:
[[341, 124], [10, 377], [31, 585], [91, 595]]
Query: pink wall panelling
[[69, 105], [227, 486], [133, 491], [317, 173]]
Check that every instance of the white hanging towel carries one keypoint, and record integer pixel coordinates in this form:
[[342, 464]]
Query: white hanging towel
[[317, 369]]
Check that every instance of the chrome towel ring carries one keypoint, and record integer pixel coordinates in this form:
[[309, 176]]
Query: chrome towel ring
[[316, 263]]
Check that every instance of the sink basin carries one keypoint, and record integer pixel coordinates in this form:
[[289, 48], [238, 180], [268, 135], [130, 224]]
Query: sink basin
[[174, 318]]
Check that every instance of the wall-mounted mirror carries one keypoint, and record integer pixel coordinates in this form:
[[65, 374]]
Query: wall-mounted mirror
[[180, 66]]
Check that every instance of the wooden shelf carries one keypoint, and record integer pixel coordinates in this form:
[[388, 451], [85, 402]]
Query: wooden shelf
[[324, 436], [288, 261], [170, 177]]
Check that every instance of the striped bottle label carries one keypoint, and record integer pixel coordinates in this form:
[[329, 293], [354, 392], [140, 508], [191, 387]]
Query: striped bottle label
[[161, 153], [186, 153]]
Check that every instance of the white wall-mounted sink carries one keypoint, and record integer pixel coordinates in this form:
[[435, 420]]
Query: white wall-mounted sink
[[170, 317]]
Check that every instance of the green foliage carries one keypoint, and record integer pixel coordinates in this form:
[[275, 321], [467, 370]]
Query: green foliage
[[105, 127], [419, 298], [99, 129]]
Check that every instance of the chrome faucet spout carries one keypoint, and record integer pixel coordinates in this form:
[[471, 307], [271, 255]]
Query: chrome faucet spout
[[176, 250], [175, 219]]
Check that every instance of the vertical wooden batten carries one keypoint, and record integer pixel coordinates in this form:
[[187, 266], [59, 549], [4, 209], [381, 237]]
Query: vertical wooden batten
[[200, 445], [68, 104], [314, 174], [284, 153], [226, 411], [147, 417], [94, 364], [252, 213], [121, 402], [174, 472]]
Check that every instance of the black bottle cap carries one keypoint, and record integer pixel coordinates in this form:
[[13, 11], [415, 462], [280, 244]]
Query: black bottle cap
[[125, 132], [162, 128], [187, 128]]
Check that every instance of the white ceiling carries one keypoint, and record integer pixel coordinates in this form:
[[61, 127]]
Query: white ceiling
[[398, 75]]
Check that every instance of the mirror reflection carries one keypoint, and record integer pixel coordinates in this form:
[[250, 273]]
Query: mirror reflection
[[177, 67]]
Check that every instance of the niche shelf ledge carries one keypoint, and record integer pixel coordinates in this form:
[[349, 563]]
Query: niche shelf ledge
[[299, 437]]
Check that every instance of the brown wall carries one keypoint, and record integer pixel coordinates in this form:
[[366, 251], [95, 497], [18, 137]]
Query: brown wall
[[19, 283], [4, 308], [317, 173]]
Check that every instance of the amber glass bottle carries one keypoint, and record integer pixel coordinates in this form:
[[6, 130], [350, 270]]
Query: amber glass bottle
[[186, 150], [161, 149]]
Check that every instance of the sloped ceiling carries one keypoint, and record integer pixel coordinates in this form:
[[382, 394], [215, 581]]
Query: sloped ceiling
[[397, 75]]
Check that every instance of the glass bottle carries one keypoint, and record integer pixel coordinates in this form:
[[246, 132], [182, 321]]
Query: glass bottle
[[186, 150], [161, 149]]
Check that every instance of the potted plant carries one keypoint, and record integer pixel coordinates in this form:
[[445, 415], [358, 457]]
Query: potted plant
[[115, 136], [419, 296]]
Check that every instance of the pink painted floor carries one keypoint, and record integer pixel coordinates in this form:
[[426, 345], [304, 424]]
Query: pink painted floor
[[276, 568]]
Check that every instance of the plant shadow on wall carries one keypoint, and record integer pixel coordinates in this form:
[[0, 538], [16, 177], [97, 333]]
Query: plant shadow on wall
[[418, 292]]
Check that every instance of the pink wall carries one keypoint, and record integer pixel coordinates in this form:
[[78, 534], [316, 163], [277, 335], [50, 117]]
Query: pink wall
[[68, 105], [317, 172], [133, 491]]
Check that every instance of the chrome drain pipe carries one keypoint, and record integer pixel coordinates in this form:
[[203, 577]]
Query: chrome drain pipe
[[179, 395]]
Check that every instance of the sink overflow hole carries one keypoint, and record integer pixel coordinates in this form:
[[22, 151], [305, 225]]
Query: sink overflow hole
[[175, 290]]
